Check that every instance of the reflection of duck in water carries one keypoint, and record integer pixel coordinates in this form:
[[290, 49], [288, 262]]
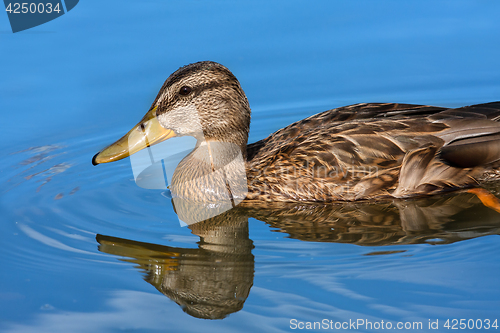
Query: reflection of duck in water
[[363, 151], [437, 220], [209, 282], [214, 280]]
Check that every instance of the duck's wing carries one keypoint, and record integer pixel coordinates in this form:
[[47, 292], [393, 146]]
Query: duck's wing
[[400, 155], [473, 136], [350, 160], [341, 115], [333, 117]]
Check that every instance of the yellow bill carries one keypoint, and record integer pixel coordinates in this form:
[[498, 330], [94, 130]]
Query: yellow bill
[[145, 134]]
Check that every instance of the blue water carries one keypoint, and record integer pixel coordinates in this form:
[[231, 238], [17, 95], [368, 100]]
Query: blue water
[[71, 86]]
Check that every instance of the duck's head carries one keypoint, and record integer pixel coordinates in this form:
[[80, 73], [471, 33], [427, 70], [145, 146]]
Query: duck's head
[[204, 100]]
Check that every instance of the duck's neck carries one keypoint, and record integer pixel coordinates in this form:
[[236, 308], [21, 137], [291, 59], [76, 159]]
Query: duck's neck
[[213, 172]]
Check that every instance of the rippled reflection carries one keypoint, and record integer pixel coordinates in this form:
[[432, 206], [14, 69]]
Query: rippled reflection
[[211, 281], [436, 220], [215, 279], [35, 165]]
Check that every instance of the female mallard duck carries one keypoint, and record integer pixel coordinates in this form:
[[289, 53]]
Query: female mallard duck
[[362, 151]]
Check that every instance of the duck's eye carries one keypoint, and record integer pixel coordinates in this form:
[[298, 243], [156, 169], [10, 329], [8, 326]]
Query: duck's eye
[[185, 90]]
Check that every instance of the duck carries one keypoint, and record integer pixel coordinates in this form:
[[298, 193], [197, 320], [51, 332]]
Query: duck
[[366, 151]]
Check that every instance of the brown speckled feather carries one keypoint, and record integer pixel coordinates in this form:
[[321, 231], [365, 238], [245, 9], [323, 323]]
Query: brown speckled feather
[[373, 151]]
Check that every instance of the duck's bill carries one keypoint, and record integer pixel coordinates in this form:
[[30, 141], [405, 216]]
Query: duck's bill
[[146, 133]]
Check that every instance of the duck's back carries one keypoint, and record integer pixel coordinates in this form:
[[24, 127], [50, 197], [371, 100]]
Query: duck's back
[[372, 151]]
